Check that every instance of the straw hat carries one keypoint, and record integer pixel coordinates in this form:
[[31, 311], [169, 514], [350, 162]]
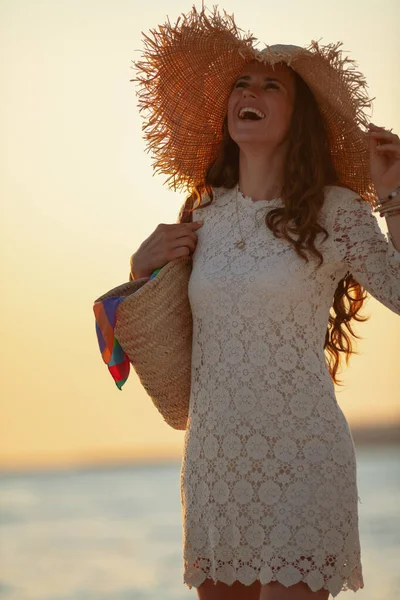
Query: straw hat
[[184, 81]]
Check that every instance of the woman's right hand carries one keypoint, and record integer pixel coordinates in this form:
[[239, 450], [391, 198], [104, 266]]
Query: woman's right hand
[[166, 243]]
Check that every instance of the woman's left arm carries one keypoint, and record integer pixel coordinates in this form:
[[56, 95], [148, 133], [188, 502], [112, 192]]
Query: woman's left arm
[[363, 248], [385, 171], [393, 224]]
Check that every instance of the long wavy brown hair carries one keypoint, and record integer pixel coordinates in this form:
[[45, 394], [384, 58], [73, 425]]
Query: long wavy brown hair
[[308, 168]]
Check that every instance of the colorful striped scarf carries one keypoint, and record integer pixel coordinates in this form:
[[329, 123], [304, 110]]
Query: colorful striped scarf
[[116, 359]]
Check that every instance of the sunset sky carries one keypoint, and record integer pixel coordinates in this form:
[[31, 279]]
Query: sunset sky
[[78, 196]]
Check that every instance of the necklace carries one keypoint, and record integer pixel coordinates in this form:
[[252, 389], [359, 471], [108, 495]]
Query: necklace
[[241, 244]]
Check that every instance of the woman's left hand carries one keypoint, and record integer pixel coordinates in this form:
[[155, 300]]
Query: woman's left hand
[[384, 159]]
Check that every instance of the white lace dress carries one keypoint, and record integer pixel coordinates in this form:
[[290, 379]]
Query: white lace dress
[[268, 478]]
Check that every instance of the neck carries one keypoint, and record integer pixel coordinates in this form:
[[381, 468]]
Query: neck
[[261, 174]]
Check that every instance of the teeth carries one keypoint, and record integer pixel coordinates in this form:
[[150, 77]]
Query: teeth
[[251, 109]]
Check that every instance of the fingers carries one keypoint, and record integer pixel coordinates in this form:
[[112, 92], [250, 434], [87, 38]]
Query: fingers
[[383, 134], [380, 132], [383, 142], [188, 241], [395, 148], [373, 126], [183, 228], [170, 241], [167, 242], [178, 229]]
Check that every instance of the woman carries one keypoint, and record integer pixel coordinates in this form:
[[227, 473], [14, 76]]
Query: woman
[[268, 480]]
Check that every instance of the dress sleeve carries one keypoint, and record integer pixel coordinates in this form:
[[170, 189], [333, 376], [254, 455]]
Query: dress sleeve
[[369, 255]]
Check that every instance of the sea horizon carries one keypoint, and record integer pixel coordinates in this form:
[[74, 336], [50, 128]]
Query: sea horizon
[[382, 435]]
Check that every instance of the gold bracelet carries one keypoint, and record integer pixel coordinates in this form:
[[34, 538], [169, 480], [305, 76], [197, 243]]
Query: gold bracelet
[[391, 213], [394, 204], [383, 202], [388, 206]]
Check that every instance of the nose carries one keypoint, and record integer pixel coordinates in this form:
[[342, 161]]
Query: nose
[[250, 91]]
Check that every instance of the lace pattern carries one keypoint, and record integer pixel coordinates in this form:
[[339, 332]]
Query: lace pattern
[[268, 478]]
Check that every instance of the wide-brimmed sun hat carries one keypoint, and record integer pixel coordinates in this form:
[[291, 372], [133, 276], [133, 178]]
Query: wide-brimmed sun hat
[[185, 77]]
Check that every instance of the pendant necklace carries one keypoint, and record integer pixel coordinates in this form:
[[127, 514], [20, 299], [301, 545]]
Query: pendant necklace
[[241, 244]]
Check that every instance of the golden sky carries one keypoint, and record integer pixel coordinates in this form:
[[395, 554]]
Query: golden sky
[[78, 196]]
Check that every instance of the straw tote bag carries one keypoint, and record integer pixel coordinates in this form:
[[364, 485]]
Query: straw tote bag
[[154, 328]]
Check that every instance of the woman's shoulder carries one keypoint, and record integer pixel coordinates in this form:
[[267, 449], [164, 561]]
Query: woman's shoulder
[[214, 195], [341, 204], [218, 193], [336, 195], [339, 196]]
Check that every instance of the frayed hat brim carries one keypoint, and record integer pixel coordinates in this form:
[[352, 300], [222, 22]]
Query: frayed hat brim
[[185, 77]]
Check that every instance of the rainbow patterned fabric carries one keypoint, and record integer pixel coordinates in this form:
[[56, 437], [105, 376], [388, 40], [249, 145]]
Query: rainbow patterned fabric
[[116, 359]]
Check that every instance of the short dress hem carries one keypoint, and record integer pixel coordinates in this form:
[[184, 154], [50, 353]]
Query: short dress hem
[[289, 576]]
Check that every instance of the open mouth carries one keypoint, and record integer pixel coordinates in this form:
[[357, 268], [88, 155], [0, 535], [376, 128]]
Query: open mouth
[[248, 113]]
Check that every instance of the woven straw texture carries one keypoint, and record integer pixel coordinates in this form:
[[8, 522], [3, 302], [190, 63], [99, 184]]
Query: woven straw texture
[[184, 79], [125, 289], [154, 328]]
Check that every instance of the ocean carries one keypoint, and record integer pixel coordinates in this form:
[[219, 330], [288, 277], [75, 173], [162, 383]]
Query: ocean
[[115, 532]]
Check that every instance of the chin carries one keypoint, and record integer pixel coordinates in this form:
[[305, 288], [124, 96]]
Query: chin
[[250, 134], [251, 138]]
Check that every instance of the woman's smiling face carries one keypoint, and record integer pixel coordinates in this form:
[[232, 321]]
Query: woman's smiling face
[[270, 92]]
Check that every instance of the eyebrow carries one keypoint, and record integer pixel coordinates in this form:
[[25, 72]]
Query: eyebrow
[[248, 78]]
